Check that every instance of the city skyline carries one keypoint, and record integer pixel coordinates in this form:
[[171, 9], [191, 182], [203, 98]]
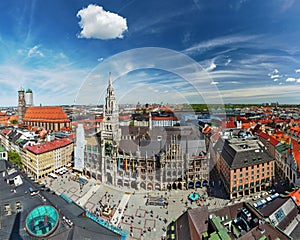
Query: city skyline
[[244, 51]]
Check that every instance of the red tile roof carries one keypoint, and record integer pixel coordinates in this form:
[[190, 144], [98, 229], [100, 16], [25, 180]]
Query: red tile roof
[[264, 135], [45, 114], [296, 152], [273, 141], [246, 125], [267, 137], [160, 118], [215, 137], [230, 124], [296, 196], [206, 129], [49, 146], [124, 117]]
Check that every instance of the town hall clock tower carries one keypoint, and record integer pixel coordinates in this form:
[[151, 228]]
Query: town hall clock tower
[[110, 135]]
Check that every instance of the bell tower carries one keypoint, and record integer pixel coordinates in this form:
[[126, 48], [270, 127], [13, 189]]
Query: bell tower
[[111, 114], [21, 105], [110, 135]]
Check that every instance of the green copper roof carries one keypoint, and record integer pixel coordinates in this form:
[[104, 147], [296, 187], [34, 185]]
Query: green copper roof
[[29, 90], [282, 148], [21, 90]]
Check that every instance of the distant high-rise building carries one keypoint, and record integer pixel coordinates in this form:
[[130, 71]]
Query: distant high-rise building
[[21, 105], [29, 97]]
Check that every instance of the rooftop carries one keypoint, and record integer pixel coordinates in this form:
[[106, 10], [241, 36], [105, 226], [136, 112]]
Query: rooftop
[[242, 152], [18, 205], [238, 221], [49, 113], [49, 146]]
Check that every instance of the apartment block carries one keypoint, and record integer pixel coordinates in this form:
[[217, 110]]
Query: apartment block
[[44, 158]]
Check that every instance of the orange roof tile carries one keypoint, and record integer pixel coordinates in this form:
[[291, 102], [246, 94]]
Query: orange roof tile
[[215, 136], [230, 124], [206, 129], [296, 152], [160, 118], [125, 117], [273, 141], [246, 125], [296, 196], [49, 146], [45, 114], [264, 135]]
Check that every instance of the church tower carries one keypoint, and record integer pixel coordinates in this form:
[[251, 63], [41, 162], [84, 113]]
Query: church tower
[[110, 135], [111, 114], [21, 105]]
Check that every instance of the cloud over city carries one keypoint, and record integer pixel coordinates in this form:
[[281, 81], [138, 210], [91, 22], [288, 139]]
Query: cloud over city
[[100, 24]]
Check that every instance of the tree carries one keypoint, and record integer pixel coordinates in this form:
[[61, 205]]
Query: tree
[[14, 157], [14, 121]]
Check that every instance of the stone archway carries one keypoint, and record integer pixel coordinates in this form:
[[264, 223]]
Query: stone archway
[[190, 185], [133, 185], [109, 178], [119, 182], [205, 183]]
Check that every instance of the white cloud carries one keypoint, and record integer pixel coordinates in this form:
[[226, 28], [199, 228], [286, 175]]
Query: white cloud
[[290, 79], [214, 83], [55, 85], [275, 76], [211, 67], [297, 70], [275, 80], [263, 92], [100, 24], [221, 41], [228, 62], [34, 51]]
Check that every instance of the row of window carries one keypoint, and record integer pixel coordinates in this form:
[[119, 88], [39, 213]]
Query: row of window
[[250, 185], [252, 173], [254, 166], [252, 178]]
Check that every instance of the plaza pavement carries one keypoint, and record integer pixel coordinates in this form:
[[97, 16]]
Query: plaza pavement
[[141, 221], [120, 209]]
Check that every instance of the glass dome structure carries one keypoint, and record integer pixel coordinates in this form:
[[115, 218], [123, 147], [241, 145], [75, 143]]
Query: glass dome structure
[[42, 221]]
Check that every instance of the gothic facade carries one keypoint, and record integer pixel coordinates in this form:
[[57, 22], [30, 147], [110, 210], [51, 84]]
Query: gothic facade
[[141, 157]]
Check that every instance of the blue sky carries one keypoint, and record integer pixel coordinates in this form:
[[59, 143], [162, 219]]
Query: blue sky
[[216, 50]]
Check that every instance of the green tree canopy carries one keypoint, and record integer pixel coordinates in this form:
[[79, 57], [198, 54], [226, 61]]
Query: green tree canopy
[[14, 157]]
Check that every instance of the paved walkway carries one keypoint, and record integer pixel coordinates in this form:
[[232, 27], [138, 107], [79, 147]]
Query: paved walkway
[[120, 210], [141, 221], [83, 200]]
